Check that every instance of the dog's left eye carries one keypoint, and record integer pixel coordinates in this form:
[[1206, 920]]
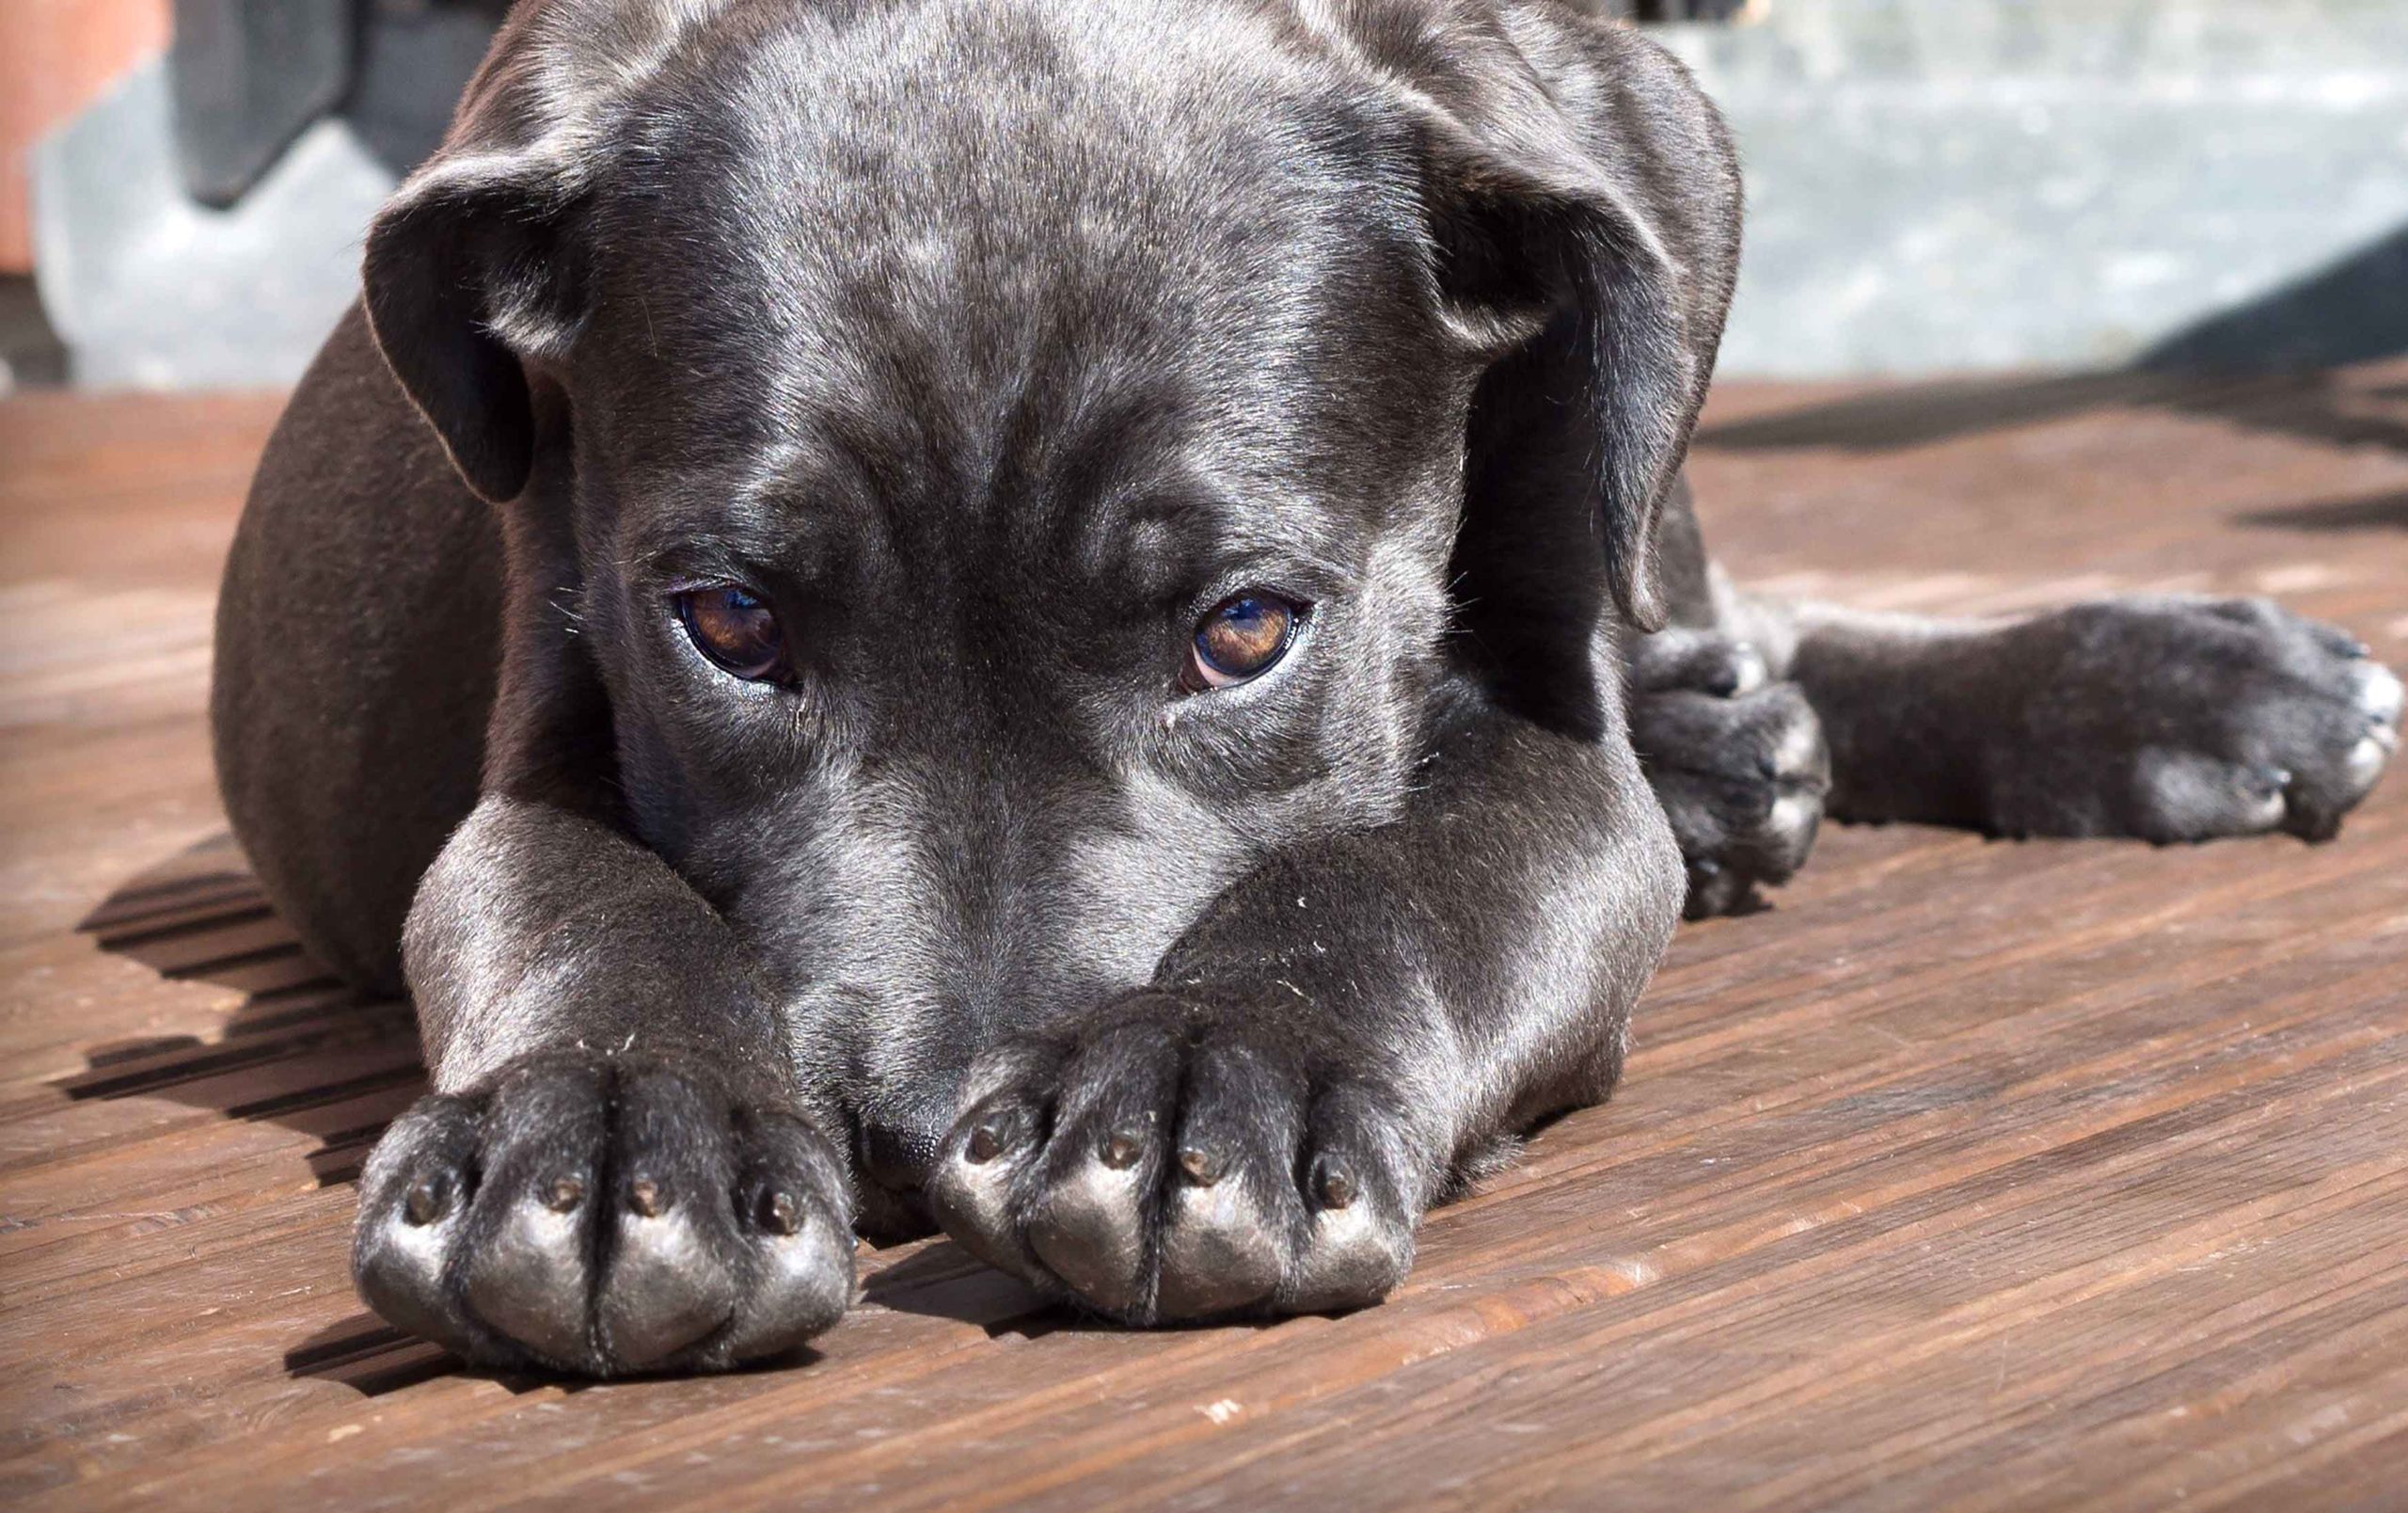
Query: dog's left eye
[[735, 629], [1241, 639]]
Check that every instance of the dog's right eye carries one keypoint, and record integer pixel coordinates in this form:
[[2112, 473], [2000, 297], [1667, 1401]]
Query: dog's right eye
[[1243, 638], [732, 626]]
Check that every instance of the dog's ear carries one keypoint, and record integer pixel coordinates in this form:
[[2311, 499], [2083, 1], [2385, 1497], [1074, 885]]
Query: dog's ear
[[1585, 228], [471, 271], [476, 265]]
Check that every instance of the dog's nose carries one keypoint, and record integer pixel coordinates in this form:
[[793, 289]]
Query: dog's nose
[[901, 1132], [896, 1149], [898, 1157]]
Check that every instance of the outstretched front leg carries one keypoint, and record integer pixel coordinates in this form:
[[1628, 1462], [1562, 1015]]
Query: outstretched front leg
[[619, 1169], [2171, 718], [1346, 1034], [617, 1172]]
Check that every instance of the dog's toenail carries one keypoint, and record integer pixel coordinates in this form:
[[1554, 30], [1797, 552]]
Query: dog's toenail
[[1203, 1168], [565, 1194], [780, 1213], [643, 1196], [1121, 1151], [425, 1203], [2268, 781], [999, 1133], [1338, 1188]]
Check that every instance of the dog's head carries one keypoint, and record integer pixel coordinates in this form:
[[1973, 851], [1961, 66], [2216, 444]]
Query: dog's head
[[1021, 462]]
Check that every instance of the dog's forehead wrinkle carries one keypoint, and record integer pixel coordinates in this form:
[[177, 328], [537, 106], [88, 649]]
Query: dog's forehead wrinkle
[[815, 494], [955, 287]]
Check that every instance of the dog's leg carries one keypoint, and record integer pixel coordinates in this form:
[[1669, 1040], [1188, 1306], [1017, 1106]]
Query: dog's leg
[[615, 1170], [1346, 1033], [2168, 717], [619, 1169]]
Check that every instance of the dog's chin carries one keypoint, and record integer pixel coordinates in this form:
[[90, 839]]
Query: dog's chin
[[888, 1217]]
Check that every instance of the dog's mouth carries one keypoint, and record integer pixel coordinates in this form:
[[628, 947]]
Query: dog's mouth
[[896, 1151]]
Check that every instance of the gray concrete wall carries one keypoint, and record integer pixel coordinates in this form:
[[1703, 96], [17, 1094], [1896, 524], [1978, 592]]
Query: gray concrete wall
[[149, 289], [1954, 185]]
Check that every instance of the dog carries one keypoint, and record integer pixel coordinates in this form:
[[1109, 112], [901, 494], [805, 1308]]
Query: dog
[[1076, 622]]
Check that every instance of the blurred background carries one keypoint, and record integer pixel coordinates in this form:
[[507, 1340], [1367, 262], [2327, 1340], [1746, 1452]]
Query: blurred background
[[1935, 185]]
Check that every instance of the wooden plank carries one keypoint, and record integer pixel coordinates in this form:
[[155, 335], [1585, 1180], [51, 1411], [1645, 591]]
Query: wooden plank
[[1971, 1174]]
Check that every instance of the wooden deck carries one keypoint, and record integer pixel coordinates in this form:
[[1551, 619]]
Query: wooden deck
[[1972, 1175]]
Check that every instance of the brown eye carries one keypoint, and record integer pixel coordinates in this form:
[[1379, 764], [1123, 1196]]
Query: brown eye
[[733, 629], [1244, 637]]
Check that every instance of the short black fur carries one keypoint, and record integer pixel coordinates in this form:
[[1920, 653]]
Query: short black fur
[[991, 345]]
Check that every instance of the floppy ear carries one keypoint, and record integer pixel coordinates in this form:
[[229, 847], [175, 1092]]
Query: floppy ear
[[476, 265], [471, 269], [1593, 244]]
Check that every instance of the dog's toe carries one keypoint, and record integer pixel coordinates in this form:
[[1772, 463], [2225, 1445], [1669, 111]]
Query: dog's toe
[[1359, 1240], [1220, 1251], [671, 1273], [525, 1276], [665, 1288], [1696, 661], [2376, 690], [795, 1265], [1230, 1214], [1088, 1229], [414, 1206]]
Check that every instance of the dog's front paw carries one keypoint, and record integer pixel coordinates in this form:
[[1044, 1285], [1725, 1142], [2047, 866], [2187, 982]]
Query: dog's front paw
[[1171, 1163], [2184, 719], [1739, 765], [604, 1216]]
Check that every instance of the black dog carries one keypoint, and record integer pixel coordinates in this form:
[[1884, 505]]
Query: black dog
[[1029, 615]]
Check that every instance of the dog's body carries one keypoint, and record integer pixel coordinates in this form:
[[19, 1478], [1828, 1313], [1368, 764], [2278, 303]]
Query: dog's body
[[989, 365]]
